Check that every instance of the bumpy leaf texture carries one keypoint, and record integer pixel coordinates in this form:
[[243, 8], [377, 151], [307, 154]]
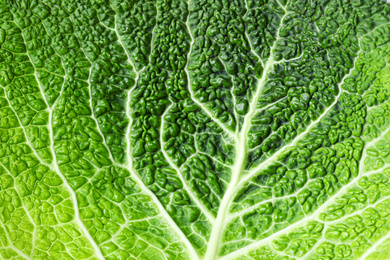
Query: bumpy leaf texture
[[200, 129]]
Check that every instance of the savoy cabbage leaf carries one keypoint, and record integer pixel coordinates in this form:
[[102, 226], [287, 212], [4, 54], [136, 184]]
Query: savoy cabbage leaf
[[200, 129]]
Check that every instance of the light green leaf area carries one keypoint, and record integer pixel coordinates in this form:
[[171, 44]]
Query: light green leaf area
[[200, 129]]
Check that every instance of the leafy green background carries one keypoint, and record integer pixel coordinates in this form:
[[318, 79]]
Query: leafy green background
[[200, 129]]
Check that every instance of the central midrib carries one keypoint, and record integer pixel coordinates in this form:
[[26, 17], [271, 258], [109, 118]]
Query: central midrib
[[236, 181], [241, 155]]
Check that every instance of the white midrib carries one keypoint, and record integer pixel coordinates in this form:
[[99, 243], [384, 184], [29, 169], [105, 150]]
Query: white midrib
[[241, 151], [216, 232], [236, 183], [292, 226], [323, 206]]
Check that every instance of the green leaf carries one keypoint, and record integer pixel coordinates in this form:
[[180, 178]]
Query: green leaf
[[200, 129]]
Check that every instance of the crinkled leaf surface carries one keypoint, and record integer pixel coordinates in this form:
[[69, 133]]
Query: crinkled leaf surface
[[200, 129]]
